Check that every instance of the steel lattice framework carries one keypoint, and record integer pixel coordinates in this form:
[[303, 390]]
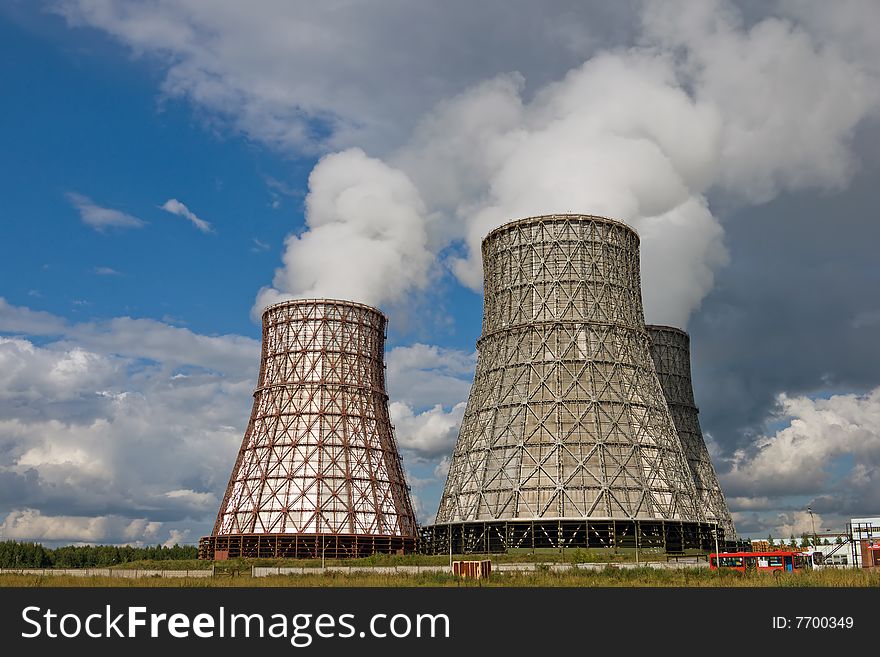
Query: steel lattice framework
[[318, 469], [670, 348], [566, 419]]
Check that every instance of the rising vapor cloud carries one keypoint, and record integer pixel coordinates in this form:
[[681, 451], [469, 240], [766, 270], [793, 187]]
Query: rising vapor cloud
[[704, 107], [365, 238]]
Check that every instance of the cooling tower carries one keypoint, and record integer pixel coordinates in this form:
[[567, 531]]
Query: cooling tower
[[318, 471], [566, 439], [670, 348]]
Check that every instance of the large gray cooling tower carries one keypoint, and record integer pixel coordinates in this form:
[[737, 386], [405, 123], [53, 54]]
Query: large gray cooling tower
[[567, 438], [670, 348]]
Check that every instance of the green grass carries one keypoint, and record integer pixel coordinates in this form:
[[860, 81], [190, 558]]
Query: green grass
[[688, 577], [579, 555]]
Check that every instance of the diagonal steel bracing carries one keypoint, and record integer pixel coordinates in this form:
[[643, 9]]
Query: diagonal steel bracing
[[566, 417], [670, 348], [319, 456]]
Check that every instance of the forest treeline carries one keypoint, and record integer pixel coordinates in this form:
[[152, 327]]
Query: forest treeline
[[14, 554]]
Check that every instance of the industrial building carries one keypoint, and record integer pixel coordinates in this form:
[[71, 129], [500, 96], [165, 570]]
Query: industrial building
[[865, 533], [318, 472], [567, 439]]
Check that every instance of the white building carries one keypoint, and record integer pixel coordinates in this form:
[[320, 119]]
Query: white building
[[834, 556]]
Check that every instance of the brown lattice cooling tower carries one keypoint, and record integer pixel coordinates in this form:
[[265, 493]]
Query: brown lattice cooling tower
[[318, 472], [567, 440]]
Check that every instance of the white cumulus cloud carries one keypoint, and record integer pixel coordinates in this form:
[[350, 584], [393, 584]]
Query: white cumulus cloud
[[30, 524], [101, 218], [430, 434], [800, 457], [108, 424], [174, 206], [826, 454]]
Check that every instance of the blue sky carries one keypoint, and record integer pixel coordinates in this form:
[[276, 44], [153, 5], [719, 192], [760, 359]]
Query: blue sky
[[129, 352], [87, 119]]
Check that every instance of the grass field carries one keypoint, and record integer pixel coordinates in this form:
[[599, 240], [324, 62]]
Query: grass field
[[538, 556], [236, 572], [637, 577]]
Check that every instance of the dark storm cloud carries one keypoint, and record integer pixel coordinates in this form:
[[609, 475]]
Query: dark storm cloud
[[792, 312], [363, 74]]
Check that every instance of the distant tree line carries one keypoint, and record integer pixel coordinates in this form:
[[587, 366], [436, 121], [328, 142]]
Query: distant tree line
[[34, 555], [804, 542]]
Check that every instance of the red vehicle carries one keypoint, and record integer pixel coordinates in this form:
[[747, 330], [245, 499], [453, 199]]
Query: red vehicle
[[777, 560]]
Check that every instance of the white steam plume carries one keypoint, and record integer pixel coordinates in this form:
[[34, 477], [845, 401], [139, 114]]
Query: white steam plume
[[646, 135], [366, 236], [615, 137]]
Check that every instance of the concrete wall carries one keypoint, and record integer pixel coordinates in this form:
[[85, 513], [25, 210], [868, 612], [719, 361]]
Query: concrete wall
[[105, 572], [375, 570], [499, 567]]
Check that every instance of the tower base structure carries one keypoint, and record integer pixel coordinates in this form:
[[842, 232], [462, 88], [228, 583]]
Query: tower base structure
[[498, 536], [302, 546]]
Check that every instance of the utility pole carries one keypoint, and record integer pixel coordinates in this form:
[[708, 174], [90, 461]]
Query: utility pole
[[812, 525], [449, 533], [717, 557], [637, 541]]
